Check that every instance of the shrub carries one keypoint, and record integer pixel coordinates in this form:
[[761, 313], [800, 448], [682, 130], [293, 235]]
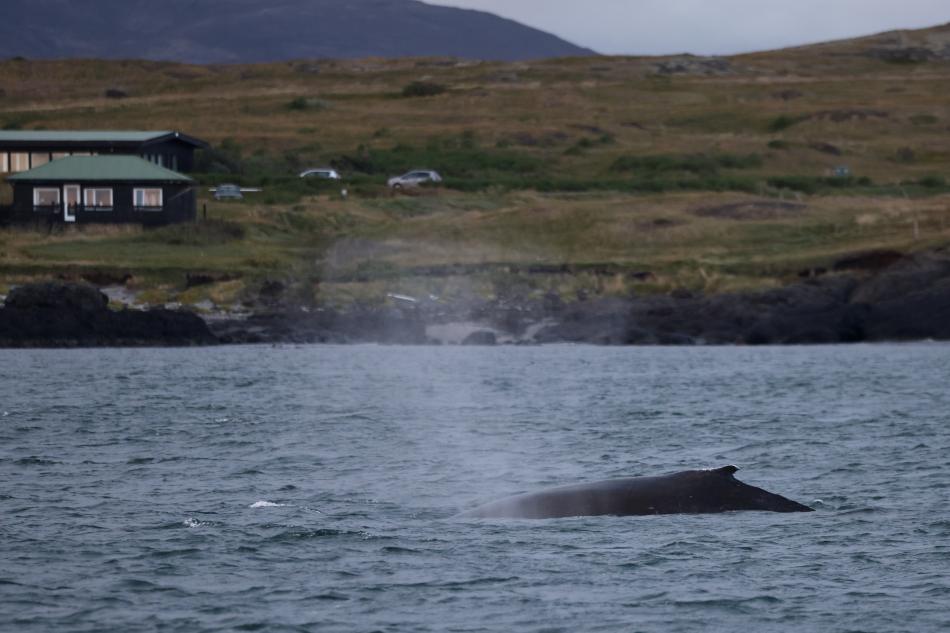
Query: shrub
[[932, 182], [784, 122], [301, 104], [699, 164], [423, 89], [924, 119], [778, 144]]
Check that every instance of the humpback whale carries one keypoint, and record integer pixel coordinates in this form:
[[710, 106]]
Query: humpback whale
[[687, 492]]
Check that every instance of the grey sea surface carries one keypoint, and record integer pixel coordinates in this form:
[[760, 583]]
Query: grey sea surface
[[312, 488]]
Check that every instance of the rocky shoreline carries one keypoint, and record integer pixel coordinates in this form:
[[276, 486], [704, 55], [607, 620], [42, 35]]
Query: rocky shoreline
[[58, 314], [876, 297]]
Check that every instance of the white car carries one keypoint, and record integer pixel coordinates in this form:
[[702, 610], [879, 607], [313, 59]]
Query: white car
[[321, 172], [414, 178]]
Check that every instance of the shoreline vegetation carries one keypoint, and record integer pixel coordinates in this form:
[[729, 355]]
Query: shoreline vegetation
[[646, 184]]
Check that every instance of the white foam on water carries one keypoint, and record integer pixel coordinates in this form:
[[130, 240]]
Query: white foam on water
[[266, 504]]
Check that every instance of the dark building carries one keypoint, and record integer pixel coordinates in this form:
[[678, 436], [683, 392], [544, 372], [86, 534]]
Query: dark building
[[102, 189], [28, 149]]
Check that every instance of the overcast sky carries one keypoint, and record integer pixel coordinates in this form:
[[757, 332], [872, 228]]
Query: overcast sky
[[711, 27]]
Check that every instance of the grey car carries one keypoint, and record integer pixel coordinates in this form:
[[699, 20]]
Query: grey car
[[327, 173], [414, 178]]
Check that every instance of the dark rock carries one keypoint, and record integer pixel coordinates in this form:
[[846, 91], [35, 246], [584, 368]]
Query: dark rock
[[193, 280], [643, 275], [70, 298], [272, 289], [481, 337], [115, 93], [691, 65], [871, 260], [60, 314], [106, 278], [907, 55]]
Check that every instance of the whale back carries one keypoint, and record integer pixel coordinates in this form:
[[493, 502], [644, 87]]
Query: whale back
[[687, 492]]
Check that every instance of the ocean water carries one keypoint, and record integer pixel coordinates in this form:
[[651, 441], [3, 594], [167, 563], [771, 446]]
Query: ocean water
[[312, 488]]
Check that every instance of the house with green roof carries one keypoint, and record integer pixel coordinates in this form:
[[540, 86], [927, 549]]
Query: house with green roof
[[21, 150], [102, 189]]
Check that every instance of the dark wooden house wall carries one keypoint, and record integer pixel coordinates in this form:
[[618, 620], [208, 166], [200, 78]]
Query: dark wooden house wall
[[179, 205], [176, 156]]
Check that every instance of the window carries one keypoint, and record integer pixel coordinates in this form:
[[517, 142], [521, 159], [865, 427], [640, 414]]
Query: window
[[99, 199], [150, 199], [19, 161], [4, 163], [39, 158], [58, 155], [45, 197]]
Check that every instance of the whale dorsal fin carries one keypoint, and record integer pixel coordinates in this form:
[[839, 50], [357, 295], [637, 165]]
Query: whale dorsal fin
[[729, 470]]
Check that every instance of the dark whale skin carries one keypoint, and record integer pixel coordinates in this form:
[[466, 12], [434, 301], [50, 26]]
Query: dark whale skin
[[687, 492]]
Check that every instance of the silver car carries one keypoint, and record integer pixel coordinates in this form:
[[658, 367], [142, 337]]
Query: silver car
[[321, 172], [414, 178]]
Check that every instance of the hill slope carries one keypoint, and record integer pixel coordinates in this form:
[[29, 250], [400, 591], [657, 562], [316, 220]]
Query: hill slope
[[611, 175], [230, 31]]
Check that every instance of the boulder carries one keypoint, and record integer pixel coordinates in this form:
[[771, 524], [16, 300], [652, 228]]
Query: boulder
[[59, 314], [481, 337]]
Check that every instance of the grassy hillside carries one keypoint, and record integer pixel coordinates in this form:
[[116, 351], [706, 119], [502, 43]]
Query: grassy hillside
[[708, 173]]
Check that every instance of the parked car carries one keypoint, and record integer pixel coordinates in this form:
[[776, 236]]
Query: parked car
[[228, 192], [414, 178], [321, 172]]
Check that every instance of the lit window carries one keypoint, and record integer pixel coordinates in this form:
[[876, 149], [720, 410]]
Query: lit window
[[99, 199], [4, 163], [45, 197], [148, 198], [19, 161], [58, 155], [38, 159]]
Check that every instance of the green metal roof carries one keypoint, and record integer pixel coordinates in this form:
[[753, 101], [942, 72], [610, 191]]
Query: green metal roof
[[71, 136], [101, 168]]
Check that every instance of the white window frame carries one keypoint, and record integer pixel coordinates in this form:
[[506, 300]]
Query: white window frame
[[36, 198], [4, 163], [89, 200], [142, 207]]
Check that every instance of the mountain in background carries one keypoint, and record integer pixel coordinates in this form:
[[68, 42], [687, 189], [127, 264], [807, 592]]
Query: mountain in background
[[245, 31]]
